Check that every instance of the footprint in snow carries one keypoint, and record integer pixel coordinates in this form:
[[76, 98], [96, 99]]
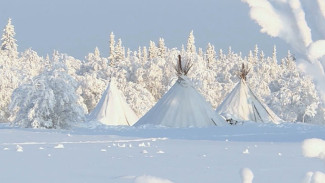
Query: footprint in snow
[[160, 152]]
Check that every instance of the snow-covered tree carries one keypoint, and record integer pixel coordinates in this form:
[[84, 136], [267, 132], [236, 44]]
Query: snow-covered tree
[[96, 52], [30, 64], [153, 50], [119, 51], [274, 55], [294, 95], [139, 53], [112, 48], [210, 54], [200, 52], [256, 53], [190, 47], [144, 54], [8, 42], [161, 48], [91, 89], [10, 80], [48, 101]]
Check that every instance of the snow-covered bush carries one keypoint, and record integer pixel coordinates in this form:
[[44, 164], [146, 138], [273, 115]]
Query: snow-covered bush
[[48, 101]]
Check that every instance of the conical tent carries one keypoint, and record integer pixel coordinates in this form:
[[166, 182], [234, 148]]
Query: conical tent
[[241, 104], [112, 108], [182, 106]]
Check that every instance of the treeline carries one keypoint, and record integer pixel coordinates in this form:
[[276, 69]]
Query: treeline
[[59, 90]]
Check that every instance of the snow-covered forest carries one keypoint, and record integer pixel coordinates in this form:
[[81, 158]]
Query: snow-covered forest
[[60, 90]]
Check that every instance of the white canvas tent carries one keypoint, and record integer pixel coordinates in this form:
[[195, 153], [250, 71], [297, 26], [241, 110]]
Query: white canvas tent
[[112, 108], [182, 106], [241, 104]]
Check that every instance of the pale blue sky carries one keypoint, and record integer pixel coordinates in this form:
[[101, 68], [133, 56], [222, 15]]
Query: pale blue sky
[[76, 27]]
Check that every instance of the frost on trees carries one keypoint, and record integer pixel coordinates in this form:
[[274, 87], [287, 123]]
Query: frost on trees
[[210, 54], [146, 75], [10, 72], [153, 50], [161, 48], [8, 42], [182, 105], [48, 101], [9, 81], [190, 47], [294, 95], [30, 64], [112, 48]]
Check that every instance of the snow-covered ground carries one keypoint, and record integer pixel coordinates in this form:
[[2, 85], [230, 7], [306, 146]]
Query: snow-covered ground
[[269, 153]]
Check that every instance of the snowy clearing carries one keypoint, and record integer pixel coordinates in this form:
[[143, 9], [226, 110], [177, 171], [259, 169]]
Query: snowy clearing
[[161, 155]]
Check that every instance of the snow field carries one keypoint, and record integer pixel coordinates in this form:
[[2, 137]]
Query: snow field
[[130, 155]]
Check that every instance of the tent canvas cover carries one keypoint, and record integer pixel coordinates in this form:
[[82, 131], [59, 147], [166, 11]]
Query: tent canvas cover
[[241, 104], [182, 106], [112, 108]]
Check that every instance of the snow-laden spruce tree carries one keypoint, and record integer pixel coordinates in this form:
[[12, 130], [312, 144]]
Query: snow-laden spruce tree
[[10, 79], [8, 42], [144, 55], [190, 47], [111, 48], [10, 71], [153, 50], [161, 48], [49, 100], [210, 55]]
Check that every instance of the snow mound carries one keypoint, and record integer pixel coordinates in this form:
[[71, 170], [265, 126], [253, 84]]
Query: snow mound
[[19, 148], [316, 50], [314, 148], [150, 179], [247, 175], [59, 146]]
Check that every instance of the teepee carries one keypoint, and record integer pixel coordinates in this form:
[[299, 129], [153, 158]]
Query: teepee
[[182, 106], [112, 108], [241, 104]]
